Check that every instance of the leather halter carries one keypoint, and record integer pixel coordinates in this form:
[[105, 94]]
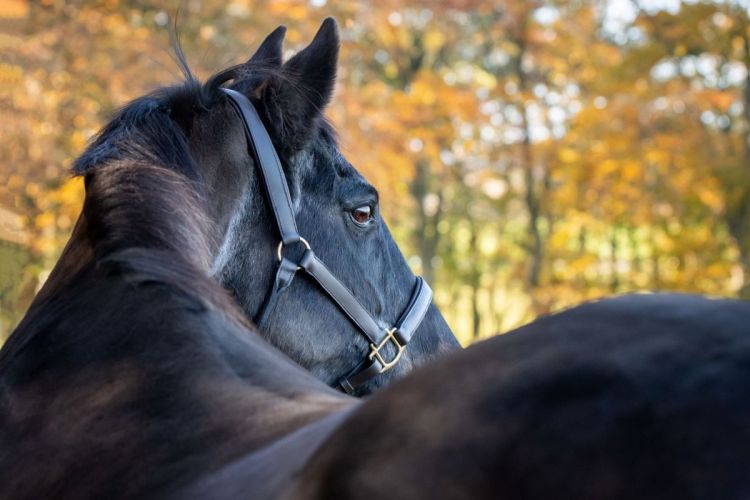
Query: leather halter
[[262, 150]]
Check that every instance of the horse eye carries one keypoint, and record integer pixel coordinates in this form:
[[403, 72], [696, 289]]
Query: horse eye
[[362, 215]]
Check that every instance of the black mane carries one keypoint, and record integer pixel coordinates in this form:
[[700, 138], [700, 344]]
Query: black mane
[[148, 129], [144, 200], [154, 128]]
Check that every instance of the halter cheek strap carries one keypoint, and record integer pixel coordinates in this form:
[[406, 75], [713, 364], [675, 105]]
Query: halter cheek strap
[[262, 150]]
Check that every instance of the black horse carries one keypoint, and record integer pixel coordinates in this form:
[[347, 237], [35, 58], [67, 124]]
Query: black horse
[[335, 207], [133, 369], [134, 373], [121, 335]]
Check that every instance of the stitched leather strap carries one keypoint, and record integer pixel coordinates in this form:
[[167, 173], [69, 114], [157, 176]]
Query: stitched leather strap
[[416, 309], [342, 296], [360, 375], [284, 276], [270, 166]]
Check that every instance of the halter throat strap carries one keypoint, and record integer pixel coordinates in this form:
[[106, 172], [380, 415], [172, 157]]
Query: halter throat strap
[[262, 150]]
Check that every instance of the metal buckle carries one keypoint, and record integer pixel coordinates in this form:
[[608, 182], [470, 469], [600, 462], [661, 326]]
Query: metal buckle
[[375, 351], [281, 246]]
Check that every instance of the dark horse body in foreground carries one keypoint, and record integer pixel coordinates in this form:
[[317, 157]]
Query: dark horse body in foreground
[[638, 397], [134, 373]]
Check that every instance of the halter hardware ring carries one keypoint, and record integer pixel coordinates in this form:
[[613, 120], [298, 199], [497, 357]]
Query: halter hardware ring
[[375, 351], [281, 247]]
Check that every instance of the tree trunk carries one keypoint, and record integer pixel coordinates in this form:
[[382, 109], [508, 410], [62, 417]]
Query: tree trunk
[[425, 234], [493, 313], [527, 164], [475, 283], [655, 268], [614, 283]]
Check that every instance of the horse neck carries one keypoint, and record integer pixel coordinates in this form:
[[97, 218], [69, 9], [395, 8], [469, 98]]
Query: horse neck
[[150, 223], [133, 204], [137, 204]]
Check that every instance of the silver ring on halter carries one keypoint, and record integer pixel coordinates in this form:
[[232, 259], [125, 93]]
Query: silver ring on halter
[[281, 247]]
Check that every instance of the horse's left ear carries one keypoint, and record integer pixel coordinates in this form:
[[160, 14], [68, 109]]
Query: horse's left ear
[[294, 100]]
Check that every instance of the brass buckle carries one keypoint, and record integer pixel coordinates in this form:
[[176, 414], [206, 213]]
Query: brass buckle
[[375, 351]]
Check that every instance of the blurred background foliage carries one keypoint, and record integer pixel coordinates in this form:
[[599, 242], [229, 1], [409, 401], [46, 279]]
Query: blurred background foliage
[[530, 155]]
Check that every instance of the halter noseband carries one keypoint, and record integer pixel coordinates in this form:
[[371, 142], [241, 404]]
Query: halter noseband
[[262, 150]]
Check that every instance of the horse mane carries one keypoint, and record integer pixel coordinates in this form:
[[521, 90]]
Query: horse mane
[[143, 188], [144, 215], [146, 199]]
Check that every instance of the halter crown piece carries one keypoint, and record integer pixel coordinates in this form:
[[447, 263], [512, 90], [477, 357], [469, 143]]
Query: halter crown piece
[[262, 150]]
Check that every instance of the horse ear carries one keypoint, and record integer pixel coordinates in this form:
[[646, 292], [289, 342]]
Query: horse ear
[[315, 66], [295, 99], [269, 53]]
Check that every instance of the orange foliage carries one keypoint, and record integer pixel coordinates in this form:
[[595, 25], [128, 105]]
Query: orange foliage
[[637, 153]]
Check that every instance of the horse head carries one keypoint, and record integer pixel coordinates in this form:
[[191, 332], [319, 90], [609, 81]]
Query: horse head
[[336, 211]]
